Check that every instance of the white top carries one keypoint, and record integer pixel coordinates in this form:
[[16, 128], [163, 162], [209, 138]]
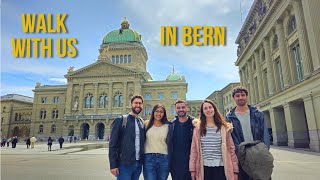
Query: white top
[[137, 139], [156, 140], [211, 148]]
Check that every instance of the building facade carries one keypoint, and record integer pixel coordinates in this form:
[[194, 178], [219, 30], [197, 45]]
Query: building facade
[[279, 63], [223, 98], [96, 94]]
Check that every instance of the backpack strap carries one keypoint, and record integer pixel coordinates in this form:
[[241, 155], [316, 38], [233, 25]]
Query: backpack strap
[[124, 120]]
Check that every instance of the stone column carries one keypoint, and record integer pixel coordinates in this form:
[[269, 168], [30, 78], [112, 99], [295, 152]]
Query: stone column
[[259, 78], [241, 77], [314, 134], [283, 54], [125, 97], [251, 92], [69, 97], [303, 39], [270, 77], [96, 98], [81, 98], [110, 94], [279, 129], [296, 126], [137, 87], [312, 21]]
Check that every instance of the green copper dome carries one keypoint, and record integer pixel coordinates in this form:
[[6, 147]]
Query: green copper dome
[[173, 77], [122, 35]]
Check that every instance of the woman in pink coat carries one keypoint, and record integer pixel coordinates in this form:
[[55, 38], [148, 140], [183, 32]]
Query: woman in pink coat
[[212, 153]]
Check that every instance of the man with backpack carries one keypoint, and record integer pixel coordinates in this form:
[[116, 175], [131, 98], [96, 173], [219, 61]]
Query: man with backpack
[[249, 129], [126, 146]]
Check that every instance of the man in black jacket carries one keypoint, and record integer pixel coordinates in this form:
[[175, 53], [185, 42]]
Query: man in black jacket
[[248, 123], [179, 142], [126, 146]]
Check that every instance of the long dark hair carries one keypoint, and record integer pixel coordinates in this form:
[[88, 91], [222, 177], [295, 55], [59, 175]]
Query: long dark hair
[[164, 119], [217, 118]]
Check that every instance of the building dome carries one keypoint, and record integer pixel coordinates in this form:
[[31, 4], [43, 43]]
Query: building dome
[[173, 76], [124, 34]]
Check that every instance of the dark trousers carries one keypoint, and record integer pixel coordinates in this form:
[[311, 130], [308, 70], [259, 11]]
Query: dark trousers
[[60, 145], [214, 173]]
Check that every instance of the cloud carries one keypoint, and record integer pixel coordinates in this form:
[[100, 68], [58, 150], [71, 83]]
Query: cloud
[[23, 90], [59, 80]]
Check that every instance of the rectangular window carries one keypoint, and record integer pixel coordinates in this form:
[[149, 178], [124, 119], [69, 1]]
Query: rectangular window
[[148, 96], [44, 100], [174, 95], [161, 96], [265, 83], [280, 77], [298, 61]]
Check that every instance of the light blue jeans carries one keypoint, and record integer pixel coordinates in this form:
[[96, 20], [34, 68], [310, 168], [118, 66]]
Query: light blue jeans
[[130, 171], [156, 166]]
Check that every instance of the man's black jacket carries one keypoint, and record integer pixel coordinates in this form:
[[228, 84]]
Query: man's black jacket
[[122, 142]]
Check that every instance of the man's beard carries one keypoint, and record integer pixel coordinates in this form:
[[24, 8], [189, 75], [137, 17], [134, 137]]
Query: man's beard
[[181, 113], [136, 112], [241, 103]]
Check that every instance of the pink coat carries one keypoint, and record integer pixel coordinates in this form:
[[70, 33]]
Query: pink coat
[[229, 157]]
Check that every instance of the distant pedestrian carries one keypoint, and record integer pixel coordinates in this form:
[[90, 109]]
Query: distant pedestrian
[[49, 143], [8, 142], [14, 142], [28, 142], [70, 139], [75, 139], [61, 140], [3, 142], [33, 141]]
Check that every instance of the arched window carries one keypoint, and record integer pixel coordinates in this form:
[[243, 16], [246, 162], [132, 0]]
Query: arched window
[[56, 100], [129, 58], [106, 101], [103, 101], [20, 117], [16, 117], [121, 59], [118, 100], [275, 42], [4, 109], [53, 128], [173, 112], [125, 59], [174, 95], [292, 24], [41, 129], [147, 96], [2, 120], [89, 101], [55, 113], [148, 110], [113, 59], [117, 59], [43, 114]]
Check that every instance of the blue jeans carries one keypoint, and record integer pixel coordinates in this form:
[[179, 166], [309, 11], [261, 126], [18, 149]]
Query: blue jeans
[[130, 171], [156, 166]]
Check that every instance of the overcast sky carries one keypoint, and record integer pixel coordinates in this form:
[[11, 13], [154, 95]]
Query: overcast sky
[[206, 68]]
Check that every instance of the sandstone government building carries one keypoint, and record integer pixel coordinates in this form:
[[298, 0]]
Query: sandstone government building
[[96, 94], [278, 59]]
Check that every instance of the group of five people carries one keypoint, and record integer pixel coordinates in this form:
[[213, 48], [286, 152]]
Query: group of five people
[[188, 148]]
